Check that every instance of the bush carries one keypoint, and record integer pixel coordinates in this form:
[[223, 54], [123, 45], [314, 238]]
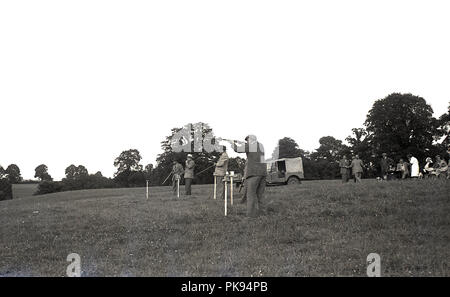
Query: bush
[[73, 184], [129, 179], [87, 182], [137, 179], [5, 189], [47, 187]]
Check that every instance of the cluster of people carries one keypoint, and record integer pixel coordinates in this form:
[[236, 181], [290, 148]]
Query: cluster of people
[[187, 172], [439, 168], [354, 167], [404, 168]]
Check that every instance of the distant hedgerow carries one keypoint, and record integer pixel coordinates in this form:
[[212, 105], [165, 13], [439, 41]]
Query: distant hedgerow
[[72, 184]]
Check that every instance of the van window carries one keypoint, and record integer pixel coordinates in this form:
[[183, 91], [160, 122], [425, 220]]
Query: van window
[[281, 166]]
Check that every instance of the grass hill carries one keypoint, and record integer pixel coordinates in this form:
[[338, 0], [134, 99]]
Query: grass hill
[[320, 228]]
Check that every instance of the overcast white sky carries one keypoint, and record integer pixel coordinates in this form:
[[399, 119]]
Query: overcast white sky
[[81, 81]]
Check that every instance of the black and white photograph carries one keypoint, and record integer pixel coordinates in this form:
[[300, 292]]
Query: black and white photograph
[[235, 141]]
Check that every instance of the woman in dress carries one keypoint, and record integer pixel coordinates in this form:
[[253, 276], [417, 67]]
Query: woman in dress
[[414, 166]]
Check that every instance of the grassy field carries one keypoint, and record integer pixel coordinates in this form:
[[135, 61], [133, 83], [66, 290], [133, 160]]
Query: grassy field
[[314, 229], [24, 190]]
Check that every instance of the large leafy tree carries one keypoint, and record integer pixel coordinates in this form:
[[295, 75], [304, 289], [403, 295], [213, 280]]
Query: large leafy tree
[[13, 173], [330, 149], [75, 172], [41, 172], [129, 171], [128, 161], [400, 124]]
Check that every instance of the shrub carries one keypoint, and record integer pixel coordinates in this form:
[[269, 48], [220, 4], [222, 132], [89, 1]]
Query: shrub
[[47, 187], [73, 184], [5, 189]]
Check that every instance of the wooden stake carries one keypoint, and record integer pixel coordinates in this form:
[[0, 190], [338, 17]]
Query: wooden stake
[[226, 198], [147, 190], [231, 188], [215, 186]]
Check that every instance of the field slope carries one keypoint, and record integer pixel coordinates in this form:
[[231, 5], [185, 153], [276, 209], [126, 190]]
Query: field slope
[[314, 229]]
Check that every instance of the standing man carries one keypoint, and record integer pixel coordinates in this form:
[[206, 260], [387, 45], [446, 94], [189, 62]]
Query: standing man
[[189, 174], [344, 164], [177, 172], [256, 173], [220, 172], [357, 168], [385, 164]]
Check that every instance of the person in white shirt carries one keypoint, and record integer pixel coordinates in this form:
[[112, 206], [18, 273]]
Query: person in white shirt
[[414, 166]]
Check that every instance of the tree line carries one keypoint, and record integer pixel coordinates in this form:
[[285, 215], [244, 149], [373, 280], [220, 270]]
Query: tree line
[[398, 124]]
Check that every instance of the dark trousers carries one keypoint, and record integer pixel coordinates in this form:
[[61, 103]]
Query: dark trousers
[[357, 177], [175, 186], [187, 185], [244, 192], [344, 177], [256, 186], [220, 190]]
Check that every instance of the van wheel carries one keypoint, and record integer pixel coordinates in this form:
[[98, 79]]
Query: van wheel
[[293, 181]]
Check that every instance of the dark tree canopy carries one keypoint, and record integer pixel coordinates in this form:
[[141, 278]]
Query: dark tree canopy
[[149, 168], [128, 161], [330, 149], [13, 173], [236, 164], [287, 148], [41, 172], [74, 172], [400, 124]]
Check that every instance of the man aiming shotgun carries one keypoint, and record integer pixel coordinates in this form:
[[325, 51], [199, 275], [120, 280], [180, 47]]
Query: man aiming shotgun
[[255, 173]]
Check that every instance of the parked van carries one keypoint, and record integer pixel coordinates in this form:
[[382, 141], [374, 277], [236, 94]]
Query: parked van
[[285, 171]]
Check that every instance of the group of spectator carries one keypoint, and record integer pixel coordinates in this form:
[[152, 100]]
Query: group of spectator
[[404, 168]]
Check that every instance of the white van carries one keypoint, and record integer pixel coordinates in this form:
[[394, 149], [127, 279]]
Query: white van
[[285, 171]]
